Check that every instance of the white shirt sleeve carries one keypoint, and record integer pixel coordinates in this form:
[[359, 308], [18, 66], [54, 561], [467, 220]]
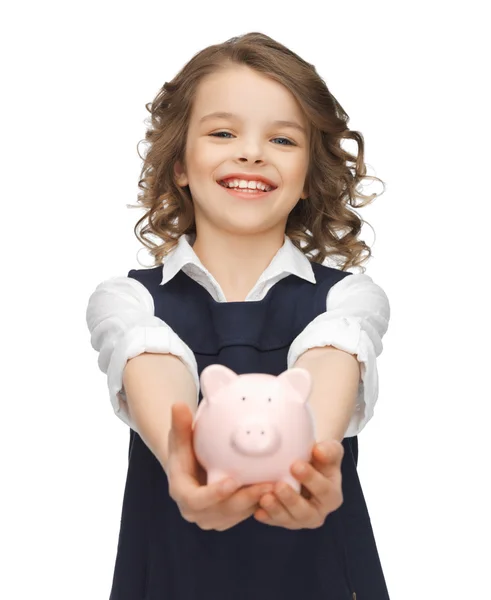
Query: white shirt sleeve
[[356, 319], [121, 319]]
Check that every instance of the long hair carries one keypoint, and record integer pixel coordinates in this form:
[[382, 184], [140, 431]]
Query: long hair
[[324, 226]]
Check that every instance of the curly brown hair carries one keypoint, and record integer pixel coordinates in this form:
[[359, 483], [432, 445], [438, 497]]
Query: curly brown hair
[[323, 226]]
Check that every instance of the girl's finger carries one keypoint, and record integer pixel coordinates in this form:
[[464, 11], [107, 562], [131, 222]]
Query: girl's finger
[[206, 496], [276, 511], [247, 497], [328, 457], [225, 493], [181, 437], [312, 479], [297, 507], [189, 493], [181, 424]]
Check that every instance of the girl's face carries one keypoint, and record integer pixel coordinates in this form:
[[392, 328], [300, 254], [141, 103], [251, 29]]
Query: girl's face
[[251, 143]]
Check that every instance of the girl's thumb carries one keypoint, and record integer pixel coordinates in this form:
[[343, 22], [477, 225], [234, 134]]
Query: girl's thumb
[[182, 423]]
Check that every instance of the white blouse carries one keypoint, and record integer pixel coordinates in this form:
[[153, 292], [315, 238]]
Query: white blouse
[[122, 324]]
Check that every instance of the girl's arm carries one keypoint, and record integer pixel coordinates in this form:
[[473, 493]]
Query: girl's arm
[[120, 317], [349, 332], [335, 379], [153, 383]]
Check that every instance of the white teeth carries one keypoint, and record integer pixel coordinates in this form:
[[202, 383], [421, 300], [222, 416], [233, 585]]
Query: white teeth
[[242, 183]]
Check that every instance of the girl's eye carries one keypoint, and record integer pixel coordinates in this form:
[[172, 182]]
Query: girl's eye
[[219, 133]]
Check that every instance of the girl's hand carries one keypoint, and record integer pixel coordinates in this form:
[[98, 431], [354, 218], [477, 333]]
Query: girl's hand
[[321, 491], [209, 506]]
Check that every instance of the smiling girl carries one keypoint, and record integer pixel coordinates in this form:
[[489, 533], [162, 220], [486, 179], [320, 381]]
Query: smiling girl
[[247, 192]]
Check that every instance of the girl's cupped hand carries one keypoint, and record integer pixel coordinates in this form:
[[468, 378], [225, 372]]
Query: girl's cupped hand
[[321, 491]]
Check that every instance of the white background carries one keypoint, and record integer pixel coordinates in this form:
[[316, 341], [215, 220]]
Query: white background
[[414, 79]]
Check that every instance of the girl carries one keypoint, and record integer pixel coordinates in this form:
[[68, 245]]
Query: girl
[[244, 178]]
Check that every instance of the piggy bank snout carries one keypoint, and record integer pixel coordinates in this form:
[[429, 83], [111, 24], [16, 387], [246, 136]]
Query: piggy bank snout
[[256, 437]]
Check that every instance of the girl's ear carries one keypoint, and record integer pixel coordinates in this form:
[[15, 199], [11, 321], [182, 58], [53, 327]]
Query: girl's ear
[[181, 177]]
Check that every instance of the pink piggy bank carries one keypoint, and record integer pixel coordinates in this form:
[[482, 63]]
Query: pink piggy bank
[[252, 427]]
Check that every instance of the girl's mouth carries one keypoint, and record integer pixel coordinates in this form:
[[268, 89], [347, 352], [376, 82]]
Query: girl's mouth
[[246, 192]]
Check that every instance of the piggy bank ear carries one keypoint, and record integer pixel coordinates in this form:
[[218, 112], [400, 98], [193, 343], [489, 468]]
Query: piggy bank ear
[[213, 378], [300, 380]]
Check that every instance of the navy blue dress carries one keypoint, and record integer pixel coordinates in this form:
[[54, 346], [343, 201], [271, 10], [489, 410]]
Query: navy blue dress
[[160, 555]]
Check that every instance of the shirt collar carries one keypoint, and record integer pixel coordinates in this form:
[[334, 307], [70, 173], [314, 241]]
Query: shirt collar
[[288, 259]]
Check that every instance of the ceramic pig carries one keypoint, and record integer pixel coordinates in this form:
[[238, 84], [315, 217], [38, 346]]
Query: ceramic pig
[[252, 427]]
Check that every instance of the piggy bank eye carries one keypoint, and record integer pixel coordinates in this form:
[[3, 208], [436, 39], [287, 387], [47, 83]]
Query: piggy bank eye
[[269, 399], [243, 399]]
